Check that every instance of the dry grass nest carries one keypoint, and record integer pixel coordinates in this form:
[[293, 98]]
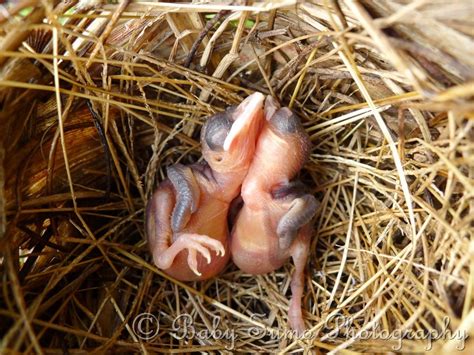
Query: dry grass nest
[[99, 98]]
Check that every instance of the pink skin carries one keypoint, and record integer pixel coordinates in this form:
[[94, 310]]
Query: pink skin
[[274, 222], [186, 218]]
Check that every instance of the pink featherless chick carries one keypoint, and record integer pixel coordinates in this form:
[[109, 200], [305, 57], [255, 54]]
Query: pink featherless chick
[[274, 222]]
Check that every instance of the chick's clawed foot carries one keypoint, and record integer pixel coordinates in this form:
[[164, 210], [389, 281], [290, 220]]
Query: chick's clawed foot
[[295, 318], [194, 243]]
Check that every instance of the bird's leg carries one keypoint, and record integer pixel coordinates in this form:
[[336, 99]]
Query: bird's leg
[[194, 243], [164, 243], [299, 253]]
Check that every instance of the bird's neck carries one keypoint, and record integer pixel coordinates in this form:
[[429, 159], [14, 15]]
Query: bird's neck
[[230, 182]]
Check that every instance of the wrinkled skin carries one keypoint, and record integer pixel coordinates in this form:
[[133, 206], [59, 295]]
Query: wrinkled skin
[[186, 218], [274, 223]]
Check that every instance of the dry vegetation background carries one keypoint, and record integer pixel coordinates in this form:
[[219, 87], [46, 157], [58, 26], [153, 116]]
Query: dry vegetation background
[[98, 98]]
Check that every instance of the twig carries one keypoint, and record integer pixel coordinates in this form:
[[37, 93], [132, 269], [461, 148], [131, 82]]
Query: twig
[[209, 25]]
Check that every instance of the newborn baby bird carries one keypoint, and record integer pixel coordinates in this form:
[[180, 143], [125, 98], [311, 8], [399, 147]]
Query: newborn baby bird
[[274, 222], [186, 218]]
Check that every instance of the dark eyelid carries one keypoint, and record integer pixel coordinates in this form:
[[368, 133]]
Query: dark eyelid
[[216, 130], [285, 121]]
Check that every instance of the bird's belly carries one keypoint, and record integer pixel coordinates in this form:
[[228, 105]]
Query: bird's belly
[[254, 243]]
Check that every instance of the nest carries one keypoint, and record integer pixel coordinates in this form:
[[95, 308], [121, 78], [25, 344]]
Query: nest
[[99, 98]]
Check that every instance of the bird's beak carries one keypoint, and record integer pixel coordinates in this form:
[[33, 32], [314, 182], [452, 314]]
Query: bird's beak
[[248, 116]]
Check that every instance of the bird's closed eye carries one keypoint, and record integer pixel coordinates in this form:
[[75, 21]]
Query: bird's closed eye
[[217, 129]]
